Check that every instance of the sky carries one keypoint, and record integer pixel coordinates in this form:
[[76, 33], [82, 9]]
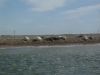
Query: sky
[[49, 16]]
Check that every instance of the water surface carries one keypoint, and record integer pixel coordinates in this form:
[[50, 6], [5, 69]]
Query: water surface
[[72, 60]]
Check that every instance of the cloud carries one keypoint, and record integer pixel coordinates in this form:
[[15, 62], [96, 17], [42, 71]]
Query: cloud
[[45, 5], [82, 11], [42, 5], [83, 19]]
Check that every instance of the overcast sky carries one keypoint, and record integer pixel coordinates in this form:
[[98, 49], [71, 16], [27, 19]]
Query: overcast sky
[[49, 16]]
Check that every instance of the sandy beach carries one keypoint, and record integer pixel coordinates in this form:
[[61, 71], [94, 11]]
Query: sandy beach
[[58, 40]]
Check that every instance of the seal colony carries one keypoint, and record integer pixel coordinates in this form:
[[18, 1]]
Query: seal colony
[[48, 40]]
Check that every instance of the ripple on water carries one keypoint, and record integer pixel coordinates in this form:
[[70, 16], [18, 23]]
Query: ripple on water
[[51, 61]]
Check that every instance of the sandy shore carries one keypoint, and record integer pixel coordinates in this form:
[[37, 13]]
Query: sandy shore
[[55, 42], [46, 46]]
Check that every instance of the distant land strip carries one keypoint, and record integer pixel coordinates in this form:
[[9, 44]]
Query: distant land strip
[[48, 40]]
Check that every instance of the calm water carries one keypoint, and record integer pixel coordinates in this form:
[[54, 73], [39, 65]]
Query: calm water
[[75, 60]]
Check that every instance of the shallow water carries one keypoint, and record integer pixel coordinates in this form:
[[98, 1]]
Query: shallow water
[[66, 60]]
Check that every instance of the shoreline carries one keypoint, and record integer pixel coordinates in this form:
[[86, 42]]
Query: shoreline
[[43, 41], [45, 46]]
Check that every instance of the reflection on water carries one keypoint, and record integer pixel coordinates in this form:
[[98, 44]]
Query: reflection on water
[[77, 60]]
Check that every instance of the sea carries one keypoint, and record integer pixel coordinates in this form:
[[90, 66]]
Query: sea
[[50, 60]]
